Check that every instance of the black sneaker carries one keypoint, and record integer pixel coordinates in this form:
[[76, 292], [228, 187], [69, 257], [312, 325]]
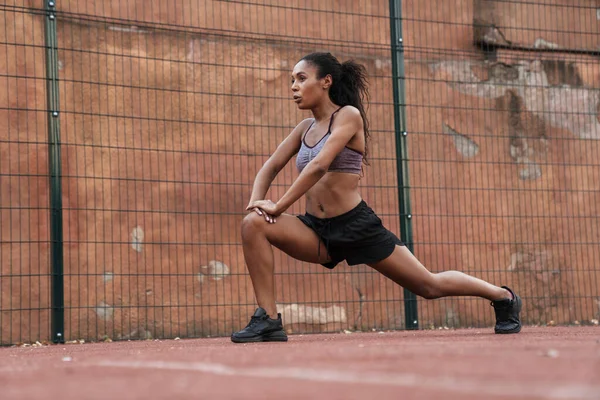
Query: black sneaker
[[261, 328], [507, 314]]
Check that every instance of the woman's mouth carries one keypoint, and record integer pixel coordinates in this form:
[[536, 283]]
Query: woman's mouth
[[297, 99]]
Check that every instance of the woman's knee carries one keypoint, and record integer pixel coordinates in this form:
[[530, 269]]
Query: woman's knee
[[252, 224], [431, 288]]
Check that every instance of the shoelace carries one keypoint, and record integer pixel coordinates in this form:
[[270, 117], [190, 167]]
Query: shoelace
[[253, 321]]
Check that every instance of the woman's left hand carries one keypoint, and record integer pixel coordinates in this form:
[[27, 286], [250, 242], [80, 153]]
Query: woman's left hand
[[266, 206]]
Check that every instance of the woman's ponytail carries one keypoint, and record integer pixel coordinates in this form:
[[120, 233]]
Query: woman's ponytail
[[355, 91]]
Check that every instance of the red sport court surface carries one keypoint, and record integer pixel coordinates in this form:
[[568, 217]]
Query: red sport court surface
[[538, 363]]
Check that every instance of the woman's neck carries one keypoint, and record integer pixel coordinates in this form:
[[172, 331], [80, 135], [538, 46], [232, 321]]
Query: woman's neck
[[323, 111]]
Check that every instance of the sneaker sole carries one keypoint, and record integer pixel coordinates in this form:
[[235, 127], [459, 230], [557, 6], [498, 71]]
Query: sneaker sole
[[278, 336], [516, 329]]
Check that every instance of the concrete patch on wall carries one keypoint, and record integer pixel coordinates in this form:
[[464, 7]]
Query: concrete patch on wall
[[104, 311], [459, 75], [137, 238], [465, 146], [301, 314], [139, 333], [565, 106], [216, 270], [128, 29], [107, 277], [546, 286], [529, 261], [530, 171], [194, 49], [528, 138], [544, 44], [383, 64]]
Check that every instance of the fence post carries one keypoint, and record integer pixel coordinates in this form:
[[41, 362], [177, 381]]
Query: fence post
[[57, 315], [401, 133]]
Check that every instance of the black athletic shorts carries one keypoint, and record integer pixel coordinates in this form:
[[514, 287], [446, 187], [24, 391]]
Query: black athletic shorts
[[357, 236]]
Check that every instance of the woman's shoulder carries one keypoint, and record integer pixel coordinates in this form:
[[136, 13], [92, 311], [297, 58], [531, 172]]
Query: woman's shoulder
[[304, 125], [301, 128], [305, 122], [349, 111], [350, 114]]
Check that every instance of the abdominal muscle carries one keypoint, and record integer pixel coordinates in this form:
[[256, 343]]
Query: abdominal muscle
[[334, 194]]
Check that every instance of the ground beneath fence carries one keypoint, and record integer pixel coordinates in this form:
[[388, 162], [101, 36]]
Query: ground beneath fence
[[538, 363]]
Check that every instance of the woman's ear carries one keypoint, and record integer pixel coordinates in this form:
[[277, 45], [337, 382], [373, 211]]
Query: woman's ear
[[327, 81]]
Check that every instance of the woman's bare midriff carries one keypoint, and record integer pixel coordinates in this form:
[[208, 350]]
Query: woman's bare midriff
[[335, 194]]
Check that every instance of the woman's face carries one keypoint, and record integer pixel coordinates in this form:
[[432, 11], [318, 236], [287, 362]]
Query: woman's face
[[307, 90]]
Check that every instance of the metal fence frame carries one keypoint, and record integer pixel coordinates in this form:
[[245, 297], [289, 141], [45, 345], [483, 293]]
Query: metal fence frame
[[402, 134]]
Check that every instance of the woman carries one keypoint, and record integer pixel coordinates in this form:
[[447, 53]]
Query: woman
[[338, 224]]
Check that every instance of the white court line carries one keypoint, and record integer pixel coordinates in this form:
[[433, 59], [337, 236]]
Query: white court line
[[544, 390]]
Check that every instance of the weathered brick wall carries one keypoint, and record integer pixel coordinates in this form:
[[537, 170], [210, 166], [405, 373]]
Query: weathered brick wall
[[163, 131], [506, 162]]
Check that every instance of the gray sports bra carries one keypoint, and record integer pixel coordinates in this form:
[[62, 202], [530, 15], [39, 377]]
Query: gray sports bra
[[348, 160]]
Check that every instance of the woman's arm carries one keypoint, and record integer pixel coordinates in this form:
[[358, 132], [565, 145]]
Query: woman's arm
[[282, 155]]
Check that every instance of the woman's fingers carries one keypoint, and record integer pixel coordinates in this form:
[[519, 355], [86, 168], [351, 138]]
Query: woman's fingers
[[268, 217]]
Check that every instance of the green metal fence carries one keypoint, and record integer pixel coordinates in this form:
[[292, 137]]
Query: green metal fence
[[503, 116], [134, 129]]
